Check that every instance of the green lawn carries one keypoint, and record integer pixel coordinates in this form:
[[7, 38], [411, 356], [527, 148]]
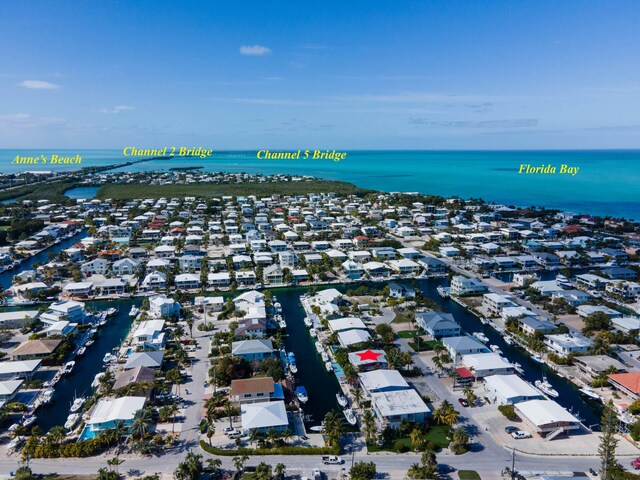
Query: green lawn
[[437, 434], [468, 475], [406, 334], [129, 191], [425, 345], [404, 317]]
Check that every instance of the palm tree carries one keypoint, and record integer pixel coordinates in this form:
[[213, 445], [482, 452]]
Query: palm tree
[[239, 461], [333, 428], [460, 436], [214, 463], [470, 395], [416, 438], [254, 436], [279, 471], [357, 395], [446, 414], [115, 462], [369, 423], [228, 412], [57, 434], [141, 423], [172, 411]]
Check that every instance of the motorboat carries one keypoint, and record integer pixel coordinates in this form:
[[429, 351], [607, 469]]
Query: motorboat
[[480, 336], [350, 415], [134, 311], [47, 396], [302, 395], [313, 332], [81, 351], [77, 404], [537, 358], [484, 320], [28, 420], [508, 340], [518, 368], [319, 347], [89, 343], [108, 357], [546, 387], [342, 400], [590, 393], [291, 361], [72, 421], [308, 321], [111, 312], [316, 429], [444, 292], [495, 349], [328, 366], [282, 324], [277, 307], [325, 356], [68, 367]]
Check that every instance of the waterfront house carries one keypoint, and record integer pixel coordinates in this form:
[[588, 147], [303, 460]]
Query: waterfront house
[[565, 343], [254, 349], [628, 383], [254, 390], [366, 360], [19, 369], [510, 389], [161, 306], [487, 364], [547, 416], [70, 310], [404, 266], [78, 289], [154, 281], [532, 325], [463, 345], [211, 304], [493, 303], [273, 274], [218, 279], [112, 286], [8, 390], [594, 365], [398, 291], [466, 286], [149, 334], [382, 380], [35, 349], [151, 360], [264, 417], [187, 281], [61, 328], [141, 376], [98, 266], [438, 324], [397, 406], [251, 327], [109, 413], [352, 269]]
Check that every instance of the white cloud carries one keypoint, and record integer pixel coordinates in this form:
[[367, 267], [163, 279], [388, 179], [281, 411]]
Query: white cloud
[[39, 85], [117, 109], [254, 50], [15, 121]]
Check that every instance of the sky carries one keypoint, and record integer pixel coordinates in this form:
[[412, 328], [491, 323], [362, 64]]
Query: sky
[[347, 75]]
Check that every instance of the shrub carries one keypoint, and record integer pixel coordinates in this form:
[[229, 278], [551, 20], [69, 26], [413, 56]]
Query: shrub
[[286, 450], [508, 411], [400, 446]]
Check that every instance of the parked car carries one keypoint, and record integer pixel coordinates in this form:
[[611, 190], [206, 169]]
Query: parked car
[[519, 435], [228, 430], [636, 463], [332, 460], [511, 429], [463, 402], [234, 434]]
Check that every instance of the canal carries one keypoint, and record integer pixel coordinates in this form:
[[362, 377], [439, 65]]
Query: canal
[[6, 278], [78, 382]]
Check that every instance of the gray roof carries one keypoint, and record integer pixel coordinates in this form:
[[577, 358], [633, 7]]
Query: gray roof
[[145, 359]]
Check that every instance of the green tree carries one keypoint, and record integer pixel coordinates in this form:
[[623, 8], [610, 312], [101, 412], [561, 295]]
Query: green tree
[[609, 466], [363, 471]]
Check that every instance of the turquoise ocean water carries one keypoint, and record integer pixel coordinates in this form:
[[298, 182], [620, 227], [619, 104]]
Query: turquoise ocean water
[[608, 182]]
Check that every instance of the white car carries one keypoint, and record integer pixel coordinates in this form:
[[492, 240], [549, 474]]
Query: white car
[[519, 435]]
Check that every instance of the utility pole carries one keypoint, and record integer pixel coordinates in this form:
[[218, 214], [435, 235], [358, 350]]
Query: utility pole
[[513, 463]]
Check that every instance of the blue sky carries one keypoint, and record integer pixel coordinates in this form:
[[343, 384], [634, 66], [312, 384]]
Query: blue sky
[[350, 75]]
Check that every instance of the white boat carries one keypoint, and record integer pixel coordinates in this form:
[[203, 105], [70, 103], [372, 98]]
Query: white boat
[[108, 357], [518, 368], [443, 291], [134, 311], [89, 343], [277, 307], [293, 367], [508, 340], [316, 429], [325, 356], [480, 336], [308, 321], [68, 367], [47, 395], [546, 387], [81, 350], [111, 312], [313, 332], [350, 415], [282, 324], [72, 421], [28, 420], [537, 358], [342, 400], [328, 366], [484, 320], [96, 379], [495, 348], [302, 394], [590, 393], [319, 347], [77, 404]]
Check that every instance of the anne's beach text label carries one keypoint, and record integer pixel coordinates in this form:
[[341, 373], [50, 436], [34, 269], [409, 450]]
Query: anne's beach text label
[[302, 154], [563, 169], [50, 159]]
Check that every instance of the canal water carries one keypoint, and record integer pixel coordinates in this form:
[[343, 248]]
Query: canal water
[[321, 385], [87, 193], [569, 397], [78, 382], [6, 278]]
